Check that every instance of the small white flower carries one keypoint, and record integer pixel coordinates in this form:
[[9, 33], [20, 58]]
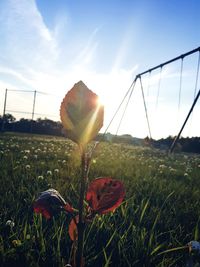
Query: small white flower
[[28, 167], [162, 166], [172, 169], [10, 223], [49, 173], [56, 171], [40, 177]]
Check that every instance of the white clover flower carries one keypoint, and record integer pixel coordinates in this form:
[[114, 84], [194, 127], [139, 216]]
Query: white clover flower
[[28, 167], [162, 166], [172, 169], [40, 177], [56, 171], [10, 223], [25, 157], [49, 173]]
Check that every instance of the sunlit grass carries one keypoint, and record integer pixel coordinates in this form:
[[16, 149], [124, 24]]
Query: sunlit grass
[[160, 212]]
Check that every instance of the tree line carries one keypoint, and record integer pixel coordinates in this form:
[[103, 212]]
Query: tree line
[[40, 126], [49, 127]]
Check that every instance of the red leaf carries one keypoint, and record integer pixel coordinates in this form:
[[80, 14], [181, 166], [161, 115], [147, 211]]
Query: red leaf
[[81, 114], [50, 202], [68, 208], [39, 208], [105, 194], [73, 230]]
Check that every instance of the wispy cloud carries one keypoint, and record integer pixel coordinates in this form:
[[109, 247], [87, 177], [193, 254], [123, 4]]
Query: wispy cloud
[[27, 40], [35, 56], [88, 50], [18, 75]]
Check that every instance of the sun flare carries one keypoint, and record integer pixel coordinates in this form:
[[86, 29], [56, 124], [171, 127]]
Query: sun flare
[[101, 101]]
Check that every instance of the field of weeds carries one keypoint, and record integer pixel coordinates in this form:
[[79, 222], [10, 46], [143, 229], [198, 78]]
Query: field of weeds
[[159, 216]]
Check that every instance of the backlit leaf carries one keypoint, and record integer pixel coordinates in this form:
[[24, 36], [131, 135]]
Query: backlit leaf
[[105, 194], [73, 230], [81, 114]]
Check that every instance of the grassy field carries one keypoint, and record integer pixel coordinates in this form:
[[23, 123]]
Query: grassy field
[[161, 210]]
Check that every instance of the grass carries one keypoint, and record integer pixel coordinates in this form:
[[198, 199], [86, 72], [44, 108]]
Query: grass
[[159, 215]]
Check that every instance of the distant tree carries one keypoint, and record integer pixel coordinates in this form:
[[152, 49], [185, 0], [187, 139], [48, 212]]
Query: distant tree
[[8, 118], [6, 122]]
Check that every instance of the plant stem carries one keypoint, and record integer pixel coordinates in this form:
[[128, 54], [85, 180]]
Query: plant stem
[[81, 224]]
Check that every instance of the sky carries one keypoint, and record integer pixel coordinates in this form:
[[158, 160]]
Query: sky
[[48, 46]]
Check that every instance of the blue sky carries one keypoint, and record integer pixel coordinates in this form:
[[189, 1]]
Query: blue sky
[[49, 45]]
